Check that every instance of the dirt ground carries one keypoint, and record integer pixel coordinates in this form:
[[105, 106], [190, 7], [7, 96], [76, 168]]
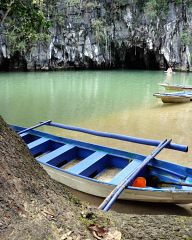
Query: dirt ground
[[33, 206]]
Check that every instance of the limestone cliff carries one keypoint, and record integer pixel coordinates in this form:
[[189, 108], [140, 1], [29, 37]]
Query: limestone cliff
[[109, 34]]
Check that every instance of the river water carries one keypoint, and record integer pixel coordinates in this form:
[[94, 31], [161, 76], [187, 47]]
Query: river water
[[111, 101]]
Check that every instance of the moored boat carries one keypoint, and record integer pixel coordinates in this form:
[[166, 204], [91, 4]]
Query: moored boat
[[176, 87], [173, 97], [97, 170]]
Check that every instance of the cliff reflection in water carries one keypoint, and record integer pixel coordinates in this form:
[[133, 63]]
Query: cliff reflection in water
[[111, 101]]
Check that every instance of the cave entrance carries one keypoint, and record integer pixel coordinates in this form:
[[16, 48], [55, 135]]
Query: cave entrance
[[16, 63], [135, 58], [138, 58]]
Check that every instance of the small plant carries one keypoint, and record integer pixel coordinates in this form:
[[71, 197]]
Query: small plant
[[73, 3], [98, 27], [89, 5], [186, 38], [24, 23], [178, 1], [154, 8], [150, 9], [121, 2]]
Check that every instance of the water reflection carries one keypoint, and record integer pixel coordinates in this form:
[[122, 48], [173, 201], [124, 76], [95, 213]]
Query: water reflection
[[70, 96], [112, 101], [168, 78]]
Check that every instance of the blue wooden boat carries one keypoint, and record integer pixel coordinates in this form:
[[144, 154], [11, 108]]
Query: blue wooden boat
[[176, 87], [174, 97], [98, 170]]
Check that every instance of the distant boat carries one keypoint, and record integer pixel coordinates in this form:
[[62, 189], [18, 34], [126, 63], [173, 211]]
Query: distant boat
[[97, 170], [176, 87], [174, 97]]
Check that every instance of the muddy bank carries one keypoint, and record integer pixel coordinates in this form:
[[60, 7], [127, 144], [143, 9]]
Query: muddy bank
[[33, 206], [155, 227]]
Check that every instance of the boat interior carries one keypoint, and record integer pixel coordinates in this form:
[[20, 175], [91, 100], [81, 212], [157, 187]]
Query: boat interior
[[111, 166]]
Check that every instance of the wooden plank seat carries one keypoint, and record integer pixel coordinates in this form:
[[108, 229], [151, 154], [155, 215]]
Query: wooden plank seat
[[24, 134], [125, 171], [88, 165], [55, 156], [39, 145], [28, 138]]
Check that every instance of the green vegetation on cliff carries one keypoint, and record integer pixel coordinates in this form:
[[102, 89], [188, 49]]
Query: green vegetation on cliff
[[23, 23], [50, 34]]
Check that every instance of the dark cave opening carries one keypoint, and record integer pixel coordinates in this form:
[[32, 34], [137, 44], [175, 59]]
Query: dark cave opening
[[4, 64], [138, 58], [16, 62], [134, 58]]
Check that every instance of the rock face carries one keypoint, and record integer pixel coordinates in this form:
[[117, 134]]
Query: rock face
[[104, 34]]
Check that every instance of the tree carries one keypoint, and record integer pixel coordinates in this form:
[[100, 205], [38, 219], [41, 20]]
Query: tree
[[23, 22]]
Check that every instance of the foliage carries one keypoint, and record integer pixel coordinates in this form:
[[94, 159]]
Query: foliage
[[178, 1], [151, 9], [186, 38], [90, 4], [73, 3], [154, 8], [120, 2], [24, 23], [99, 30]]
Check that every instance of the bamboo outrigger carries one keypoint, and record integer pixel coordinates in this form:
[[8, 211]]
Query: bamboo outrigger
[[83, 166]]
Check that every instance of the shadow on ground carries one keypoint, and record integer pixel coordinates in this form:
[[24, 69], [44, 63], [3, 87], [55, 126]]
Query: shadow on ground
[[140, 208]]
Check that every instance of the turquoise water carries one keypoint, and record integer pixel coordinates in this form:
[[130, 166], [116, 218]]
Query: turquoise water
[[112, 101], [72, 97]]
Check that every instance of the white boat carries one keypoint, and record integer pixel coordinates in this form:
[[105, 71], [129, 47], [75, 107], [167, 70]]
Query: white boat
[[176, 87], [97, 170], [173, 98]]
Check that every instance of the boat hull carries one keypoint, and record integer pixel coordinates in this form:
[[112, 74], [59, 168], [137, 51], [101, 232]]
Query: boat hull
[[55, 154], [103, 190], [171, 98], [176, 87], [174, 99]]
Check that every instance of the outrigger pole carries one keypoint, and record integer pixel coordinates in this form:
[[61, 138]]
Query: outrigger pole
[[150, 142]]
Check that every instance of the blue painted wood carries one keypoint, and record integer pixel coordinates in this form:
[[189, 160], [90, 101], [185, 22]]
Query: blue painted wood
[[56, 155], [175, 94], [118, 162], [176, 172], [170, 168], [185, 94], [166, 177], [88, 162], [39, 145], [151, 142], [158, 165], [23, 134], [188, 180], [28, 138], [62, 140], [113, 158], [131, 167], [33, 127], [107, 203]]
